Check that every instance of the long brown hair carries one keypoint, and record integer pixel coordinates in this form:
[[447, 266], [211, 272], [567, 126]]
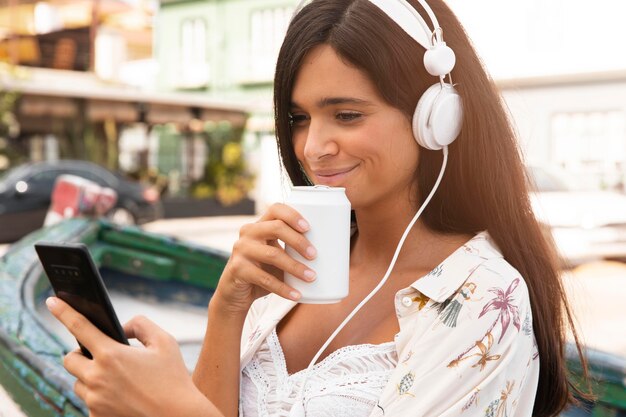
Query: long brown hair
[[485, 185]]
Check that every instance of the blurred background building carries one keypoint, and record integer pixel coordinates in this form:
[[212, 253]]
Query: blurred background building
[[227, 50], [564, 86], [158, 89], [79, 81], [558, 66]]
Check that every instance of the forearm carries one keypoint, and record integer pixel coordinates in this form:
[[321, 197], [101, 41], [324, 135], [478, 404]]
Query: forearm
[[197, 406], [217, 373]]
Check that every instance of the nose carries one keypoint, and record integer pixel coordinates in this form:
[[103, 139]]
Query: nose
[[320, 142]]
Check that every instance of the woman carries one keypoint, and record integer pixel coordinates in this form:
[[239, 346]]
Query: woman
[[471, 321]]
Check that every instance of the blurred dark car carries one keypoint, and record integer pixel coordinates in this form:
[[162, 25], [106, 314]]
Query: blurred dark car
[[26, 189]]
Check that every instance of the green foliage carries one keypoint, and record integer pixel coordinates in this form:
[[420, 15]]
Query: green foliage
[[9, 126], [226, 175]]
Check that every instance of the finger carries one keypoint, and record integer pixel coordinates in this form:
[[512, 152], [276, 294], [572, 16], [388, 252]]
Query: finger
[[287, 214], [146, 331], [81, 328], [269, 282], [273, 230], [77, 364], [81, 390], [276, 256]]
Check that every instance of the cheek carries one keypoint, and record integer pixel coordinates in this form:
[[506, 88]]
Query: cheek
[[396, 144], [405, 146], [407, 159]]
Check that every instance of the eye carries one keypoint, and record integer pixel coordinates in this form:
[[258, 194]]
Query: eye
[[297, 119], [348, 116]]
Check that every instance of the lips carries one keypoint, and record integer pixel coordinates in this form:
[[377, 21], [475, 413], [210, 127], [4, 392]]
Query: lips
[[329, 176]]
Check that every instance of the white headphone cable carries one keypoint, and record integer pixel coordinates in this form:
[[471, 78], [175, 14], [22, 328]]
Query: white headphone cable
[[297, 410]]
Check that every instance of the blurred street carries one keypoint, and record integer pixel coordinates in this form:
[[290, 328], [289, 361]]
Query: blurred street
[[597, 290], [217, 232]]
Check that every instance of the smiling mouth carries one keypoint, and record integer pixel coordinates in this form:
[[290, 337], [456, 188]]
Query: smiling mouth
[[326, 176]]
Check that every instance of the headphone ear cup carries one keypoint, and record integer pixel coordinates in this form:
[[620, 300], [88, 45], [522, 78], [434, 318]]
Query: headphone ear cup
[[438, 117]]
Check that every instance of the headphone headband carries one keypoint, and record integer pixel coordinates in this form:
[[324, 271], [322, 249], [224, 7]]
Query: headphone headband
[[405, 16], [397, 11]]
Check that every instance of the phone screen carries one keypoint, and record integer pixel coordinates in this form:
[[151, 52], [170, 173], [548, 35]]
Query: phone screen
[[76, 280]]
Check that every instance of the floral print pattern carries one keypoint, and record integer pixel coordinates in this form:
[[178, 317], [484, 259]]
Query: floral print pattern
[[466, 345], [483, 355], [449, 310], [527, 327], [437, 271], [421, 301], [472, 401], [498, 407], [505, 305], [405, 384]]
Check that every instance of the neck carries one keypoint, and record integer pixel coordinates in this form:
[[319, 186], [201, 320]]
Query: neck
[[377, 239], [380, 231]]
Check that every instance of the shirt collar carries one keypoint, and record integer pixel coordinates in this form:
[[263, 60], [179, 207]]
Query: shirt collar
[[443, 281]]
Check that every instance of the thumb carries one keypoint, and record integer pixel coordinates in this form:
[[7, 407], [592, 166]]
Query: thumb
[[146, 331]]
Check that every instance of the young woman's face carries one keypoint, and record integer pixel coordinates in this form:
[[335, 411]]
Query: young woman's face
[[345, 134]]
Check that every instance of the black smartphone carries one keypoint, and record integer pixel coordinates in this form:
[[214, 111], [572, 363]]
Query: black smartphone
[[76, 280]]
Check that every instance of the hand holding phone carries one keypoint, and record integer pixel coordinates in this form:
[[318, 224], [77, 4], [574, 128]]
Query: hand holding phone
[[76, 280]]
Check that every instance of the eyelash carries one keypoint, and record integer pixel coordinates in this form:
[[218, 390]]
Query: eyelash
[[296, 119], [346, 117]]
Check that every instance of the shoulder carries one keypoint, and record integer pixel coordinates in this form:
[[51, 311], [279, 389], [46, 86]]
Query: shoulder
[[497, 271], [497, 278], [494, 275], [490, 298], [497, 302], [474, 270]]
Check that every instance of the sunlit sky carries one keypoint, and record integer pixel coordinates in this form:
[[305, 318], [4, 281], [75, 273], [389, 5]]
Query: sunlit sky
[[538, 37]]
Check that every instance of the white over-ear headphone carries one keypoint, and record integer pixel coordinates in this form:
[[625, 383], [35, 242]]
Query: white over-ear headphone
[[439, 113]]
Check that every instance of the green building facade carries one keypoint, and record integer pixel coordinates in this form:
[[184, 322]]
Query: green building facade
[[223, 48], [227, 50]]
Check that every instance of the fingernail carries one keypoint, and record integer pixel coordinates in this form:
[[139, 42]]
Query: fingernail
[[295, 295], [304, 226], [51, 302], [311, 252], [309, 274]]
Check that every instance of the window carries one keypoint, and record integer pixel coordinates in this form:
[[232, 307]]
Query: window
[[91, 176], [44, 178], [267, 30], [194, 63], [591, 144]]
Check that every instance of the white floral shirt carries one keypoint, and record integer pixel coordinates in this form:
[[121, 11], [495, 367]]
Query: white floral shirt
[[465, 347]]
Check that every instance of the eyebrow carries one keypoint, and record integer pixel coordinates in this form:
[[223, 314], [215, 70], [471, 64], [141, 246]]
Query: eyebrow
[[330, 101]]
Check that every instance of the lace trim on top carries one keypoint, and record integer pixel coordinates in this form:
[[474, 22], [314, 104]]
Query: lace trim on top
[[348, 382]]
